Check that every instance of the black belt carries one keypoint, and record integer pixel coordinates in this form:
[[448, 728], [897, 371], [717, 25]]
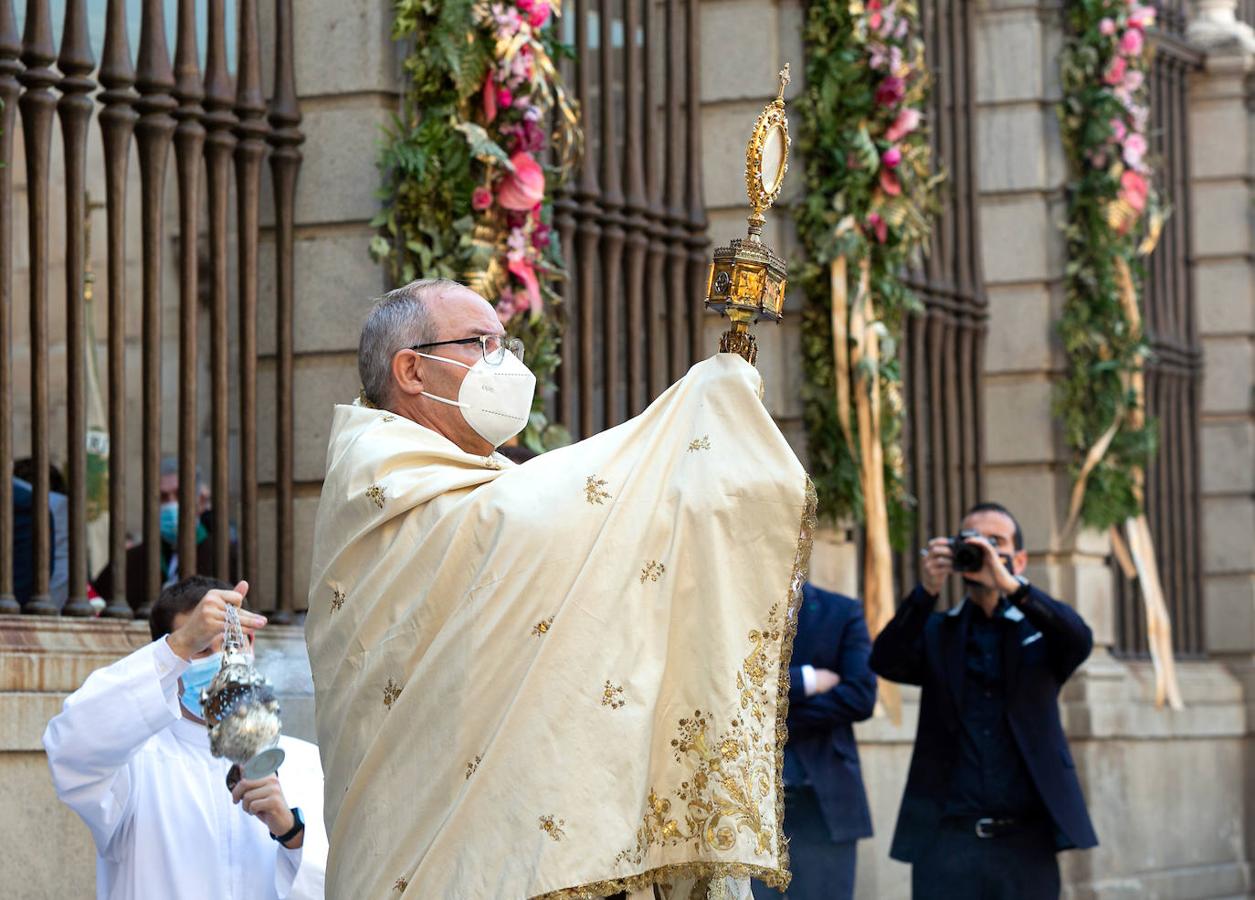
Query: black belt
[[991, 826]]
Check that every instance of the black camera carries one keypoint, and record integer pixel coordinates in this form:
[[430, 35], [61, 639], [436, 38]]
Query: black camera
[[968, 555]]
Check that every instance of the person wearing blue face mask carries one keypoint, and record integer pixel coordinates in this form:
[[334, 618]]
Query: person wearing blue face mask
[[129, 753], [137, 555]]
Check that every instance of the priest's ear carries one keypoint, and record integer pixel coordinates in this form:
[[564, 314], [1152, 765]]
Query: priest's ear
[[407, 368]]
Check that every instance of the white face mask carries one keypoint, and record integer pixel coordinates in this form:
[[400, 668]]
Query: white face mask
[[496, 401]]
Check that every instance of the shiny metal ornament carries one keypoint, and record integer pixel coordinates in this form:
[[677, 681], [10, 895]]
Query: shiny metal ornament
[[241, 710], [747, 278]]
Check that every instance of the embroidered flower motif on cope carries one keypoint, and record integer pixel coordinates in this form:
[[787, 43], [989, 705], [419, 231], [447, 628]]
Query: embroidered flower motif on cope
[[376, 495], [553, 828], [594, 491], [391, 692], [652, 571], [612, 695]]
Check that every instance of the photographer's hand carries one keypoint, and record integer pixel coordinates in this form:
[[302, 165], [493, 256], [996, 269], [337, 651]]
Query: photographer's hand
[[938, 565], [996, 569]]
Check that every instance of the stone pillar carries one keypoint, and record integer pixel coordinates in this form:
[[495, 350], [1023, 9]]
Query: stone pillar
[[1222, 132], [348, 79]]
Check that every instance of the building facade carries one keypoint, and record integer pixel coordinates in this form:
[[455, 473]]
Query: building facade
[[1171, 792]]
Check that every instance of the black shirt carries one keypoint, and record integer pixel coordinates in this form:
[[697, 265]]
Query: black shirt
[[990, 779]]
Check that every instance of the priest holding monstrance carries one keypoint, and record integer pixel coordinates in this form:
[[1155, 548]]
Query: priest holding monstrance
[[567, 678]]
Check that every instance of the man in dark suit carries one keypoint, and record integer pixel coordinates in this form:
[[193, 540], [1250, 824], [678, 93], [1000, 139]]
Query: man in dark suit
[[825, 806], [992, 792]]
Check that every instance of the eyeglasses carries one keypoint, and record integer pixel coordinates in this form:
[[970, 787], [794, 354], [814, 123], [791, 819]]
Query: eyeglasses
[[493, 346]]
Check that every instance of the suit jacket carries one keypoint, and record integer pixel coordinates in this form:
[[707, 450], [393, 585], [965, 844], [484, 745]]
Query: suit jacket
[[926, 648], [831, 634]]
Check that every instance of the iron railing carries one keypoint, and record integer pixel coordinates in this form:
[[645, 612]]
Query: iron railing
[[215, 118], [633, 223], [1173, 373]]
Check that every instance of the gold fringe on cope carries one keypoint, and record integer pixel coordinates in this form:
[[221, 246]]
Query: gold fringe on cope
[[777, 878]]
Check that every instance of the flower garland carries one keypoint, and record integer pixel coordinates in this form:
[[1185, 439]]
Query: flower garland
[[1114, 218], [465, 194], [870, 193]]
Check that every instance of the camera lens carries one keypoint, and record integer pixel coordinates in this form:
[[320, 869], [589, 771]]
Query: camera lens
[[968, 556]]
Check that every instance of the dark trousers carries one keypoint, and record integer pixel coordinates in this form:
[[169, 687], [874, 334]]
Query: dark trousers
[[959, 865], [822, 869]]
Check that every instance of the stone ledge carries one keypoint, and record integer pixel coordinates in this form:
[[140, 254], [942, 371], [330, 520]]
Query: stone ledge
[[1222, 880], [42, 660]]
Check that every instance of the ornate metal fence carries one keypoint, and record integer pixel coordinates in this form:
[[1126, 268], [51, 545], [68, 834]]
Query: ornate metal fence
[[216, 118], [633, 224], [1174, 370]]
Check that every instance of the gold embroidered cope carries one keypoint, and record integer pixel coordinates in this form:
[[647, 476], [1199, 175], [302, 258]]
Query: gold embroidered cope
[[465, 566]]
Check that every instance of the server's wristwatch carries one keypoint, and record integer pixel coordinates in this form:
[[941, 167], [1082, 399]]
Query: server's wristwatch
[[298, 825]]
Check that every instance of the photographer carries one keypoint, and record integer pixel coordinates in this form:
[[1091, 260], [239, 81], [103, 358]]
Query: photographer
[[992, 794]]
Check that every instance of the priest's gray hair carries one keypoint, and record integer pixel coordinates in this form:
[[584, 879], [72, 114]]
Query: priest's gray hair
[[399, 319]]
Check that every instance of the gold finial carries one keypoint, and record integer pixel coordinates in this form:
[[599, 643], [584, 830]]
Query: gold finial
[[747, 279]]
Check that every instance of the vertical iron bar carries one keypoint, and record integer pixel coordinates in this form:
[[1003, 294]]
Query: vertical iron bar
[[117, 124], [588, 232], [219, 146], [285, 164], [37, 106], [636, 204], [612, 234], [153, 132], [75, 110], [189, 142], [677, 215], [251, 131], [10, 68], [655, 331], [696, 239]]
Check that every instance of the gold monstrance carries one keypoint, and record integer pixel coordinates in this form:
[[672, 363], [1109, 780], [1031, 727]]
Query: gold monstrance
[[747, 279]]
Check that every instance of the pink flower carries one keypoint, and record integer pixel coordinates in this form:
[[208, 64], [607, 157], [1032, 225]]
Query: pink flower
[[541, 237], [481, 198], [1107, 27], [875, 19], [879, 226], [505, 97], [1134, 149], [525, 272], [506, 307], [525, 5], [490, 100], [540, 14], [1118, 130], [890, 91], [891, 158], [906, 122], [523, 188], [1115, 72], [1131, 42], [1133, 79], [1134, 189], [889, 183], [1141, 16]]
